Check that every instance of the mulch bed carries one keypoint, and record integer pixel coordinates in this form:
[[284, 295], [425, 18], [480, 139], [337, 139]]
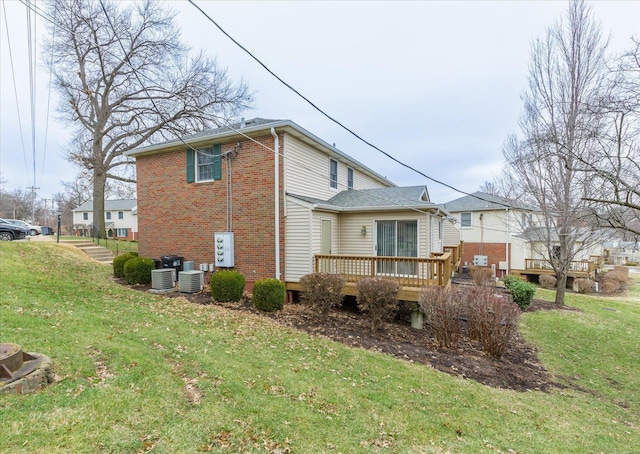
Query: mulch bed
[[519, 368]]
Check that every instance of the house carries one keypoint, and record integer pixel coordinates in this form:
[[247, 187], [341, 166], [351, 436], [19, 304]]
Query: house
[[621, 252], [121, 219], [281, 202], [489, 227]]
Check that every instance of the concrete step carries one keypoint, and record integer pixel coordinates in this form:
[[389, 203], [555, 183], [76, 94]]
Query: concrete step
[[98, 253]]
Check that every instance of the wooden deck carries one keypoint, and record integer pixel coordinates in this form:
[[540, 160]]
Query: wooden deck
[[412, 273], [585, 269]]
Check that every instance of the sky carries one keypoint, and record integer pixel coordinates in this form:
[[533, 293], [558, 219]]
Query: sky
[[436, 84]]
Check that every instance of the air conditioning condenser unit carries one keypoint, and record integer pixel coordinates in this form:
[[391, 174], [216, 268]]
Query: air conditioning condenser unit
[[190, 281], [163, 279]]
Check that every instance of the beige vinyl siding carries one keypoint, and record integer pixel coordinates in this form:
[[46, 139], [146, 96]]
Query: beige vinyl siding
[[353, 243], [451, 235], [298, 255], [307, 172]]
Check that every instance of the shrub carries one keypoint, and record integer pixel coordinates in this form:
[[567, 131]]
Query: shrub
[[269, 294], [379, 298], [322, 291], [522, 293], [119, 261], [137, 270], [442, 309], [227, 286], [615, 281], [547, 281], [621, 269], [584, 285], [475, 299], [496, 321], [510, 279], [481, 275]]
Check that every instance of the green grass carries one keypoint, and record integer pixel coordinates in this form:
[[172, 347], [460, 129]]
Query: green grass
[[139, 372]]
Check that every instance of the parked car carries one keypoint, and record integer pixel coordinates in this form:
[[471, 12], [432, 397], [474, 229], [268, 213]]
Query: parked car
[[33, 229], [10, 232]]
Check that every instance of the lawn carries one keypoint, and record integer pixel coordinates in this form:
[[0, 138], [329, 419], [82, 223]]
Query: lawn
[[138, 372]]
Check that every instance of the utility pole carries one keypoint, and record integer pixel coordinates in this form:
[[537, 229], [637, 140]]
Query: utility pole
[[33, 202]]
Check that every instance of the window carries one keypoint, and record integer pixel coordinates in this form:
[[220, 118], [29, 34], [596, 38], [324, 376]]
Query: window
[[108, 213], [85, 216], [122, 233], [333, 173], [349, 178], [120, 215], [204, 164], [527, 220], [396, 239], [465, 219]]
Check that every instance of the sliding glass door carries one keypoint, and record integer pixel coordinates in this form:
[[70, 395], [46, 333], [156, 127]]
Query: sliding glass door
[[396, 239]]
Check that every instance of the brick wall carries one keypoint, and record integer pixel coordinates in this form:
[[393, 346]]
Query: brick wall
[[495, 253], [180, 218]]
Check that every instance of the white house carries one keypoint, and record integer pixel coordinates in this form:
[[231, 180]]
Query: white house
[[121, 219]]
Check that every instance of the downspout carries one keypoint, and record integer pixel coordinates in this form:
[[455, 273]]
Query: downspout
[[276, 149], [506, 246]]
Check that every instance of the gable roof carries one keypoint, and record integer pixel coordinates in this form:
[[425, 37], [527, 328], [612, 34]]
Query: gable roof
[[255, 127], [481, 201], [378, 199], [110, 205]]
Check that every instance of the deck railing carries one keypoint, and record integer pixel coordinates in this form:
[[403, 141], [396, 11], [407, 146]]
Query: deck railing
[[407, 271], [585, 266], [455, 251]]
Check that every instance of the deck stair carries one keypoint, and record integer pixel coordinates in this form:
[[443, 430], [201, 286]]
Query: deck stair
[[98, 253]]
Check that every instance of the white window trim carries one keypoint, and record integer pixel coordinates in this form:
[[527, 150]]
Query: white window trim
[[333, 184], [470, 226], [208, 152]]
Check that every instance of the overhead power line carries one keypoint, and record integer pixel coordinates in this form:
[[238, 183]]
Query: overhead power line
[[331, 118]]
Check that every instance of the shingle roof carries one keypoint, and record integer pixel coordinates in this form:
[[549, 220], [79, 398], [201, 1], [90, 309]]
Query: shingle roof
[[241, 124], [110, 205], [394, 198], [481, 201]]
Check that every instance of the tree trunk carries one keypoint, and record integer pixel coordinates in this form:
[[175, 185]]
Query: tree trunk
[[561, 287], [99, 181]]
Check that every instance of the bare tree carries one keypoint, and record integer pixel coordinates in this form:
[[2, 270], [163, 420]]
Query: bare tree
[[566, 73], [126, 80], [614, 166]]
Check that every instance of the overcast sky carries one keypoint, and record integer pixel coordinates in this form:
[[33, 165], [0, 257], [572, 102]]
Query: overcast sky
[[435, 84]]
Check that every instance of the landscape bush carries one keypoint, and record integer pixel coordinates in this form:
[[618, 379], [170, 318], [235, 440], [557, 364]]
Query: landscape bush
[[227, 286], [119, 261], [482, 275], [547, 281], [137, 270], [510, 279], [581, 285], [442, 309], [474, 300], [496, 321], [616, 281], [269, 294], [322, 291], [379, 298], [521, 291]]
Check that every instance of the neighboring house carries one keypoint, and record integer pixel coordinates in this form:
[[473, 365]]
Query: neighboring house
[[620, 252], [286, 209], [489, 228], [121, 219]]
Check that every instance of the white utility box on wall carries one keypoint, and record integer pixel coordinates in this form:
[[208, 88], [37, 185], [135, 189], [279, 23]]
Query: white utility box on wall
[[223, 243], [480, 260]]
